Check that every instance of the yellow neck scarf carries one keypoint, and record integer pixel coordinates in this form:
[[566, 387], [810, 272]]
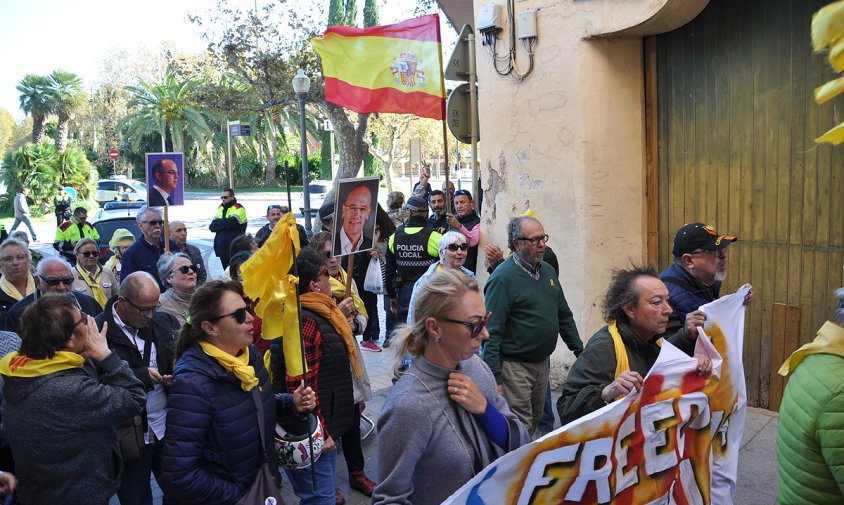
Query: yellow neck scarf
[[830, 340], [17, 365], [621, 363], [12, 291], [93, 282], [325, 306], [338, 290], [236, 365]]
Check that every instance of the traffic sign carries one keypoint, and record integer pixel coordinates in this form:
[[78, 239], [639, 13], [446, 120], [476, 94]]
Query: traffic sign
[[113, 154], [457, 111], [457, 66]]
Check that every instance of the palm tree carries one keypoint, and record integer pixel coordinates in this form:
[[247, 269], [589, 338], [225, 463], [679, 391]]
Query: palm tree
[[162, 107], [67, 96], [35, 100]]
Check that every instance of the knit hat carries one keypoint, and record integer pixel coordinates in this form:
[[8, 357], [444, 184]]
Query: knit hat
[[121, 236], [694, 236], [416, 204]]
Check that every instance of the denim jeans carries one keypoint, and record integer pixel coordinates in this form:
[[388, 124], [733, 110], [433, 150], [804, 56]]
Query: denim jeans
[[25, 220], [300, 479], [389, 319], [546, 423]]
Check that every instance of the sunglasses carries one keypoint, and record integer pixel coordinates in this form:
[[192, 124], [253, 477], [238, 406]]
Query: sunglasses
[[271, 207], [475, 328], [88, 254], [184, 269], [239, 315], [67, 281], [464, 192], [224, 197], [159, 222], [454, 247]]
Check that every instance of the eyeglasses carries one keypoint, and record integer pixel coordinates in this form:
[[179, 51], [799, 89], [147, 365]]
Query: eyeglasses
[[324, 273], [717, 252], [82, 320], [239, 315], [454, 247], [157, 222], [19, 258], [475, 328], [67, 281], [88, 254], [142, 311], [169, 172], [534, 240], [185, 268], [357, 210]]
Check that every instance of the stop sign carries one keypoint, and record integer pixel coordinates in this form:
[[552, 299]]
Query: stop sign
[[113, 154]]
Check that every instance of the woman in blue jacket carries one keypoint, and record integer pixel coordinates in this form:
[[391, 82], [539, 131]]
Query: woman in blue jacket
[[212, 449]]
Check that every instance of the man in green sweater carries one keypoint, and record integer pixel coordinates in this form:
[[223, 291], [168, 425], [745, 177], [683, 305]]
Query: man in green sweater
[[528, 310]]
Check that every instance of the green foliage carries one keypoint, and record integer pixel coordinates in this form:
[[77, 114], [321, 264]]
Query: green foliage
[[50, 127], [294, 162], [7, 130], [370, 13], [43, 170], [35, 100]]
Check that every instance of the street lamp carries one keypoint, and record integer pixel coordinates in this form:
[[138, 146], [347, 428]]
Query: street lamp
[[301, 84]]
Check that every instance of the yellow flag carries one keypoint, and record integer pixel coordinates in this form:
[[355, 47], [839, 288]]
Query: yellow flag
[[266, 279]]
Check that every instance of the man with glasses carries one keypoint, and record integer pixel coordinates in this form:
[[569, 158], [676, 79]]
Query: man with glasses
[[699, 268], [165, 173], [179, 235], [274, 213], [143, 337], [354, 214], [54, 275], [529, 310], [142, 256], [228, 223], [468, 223], [70, 232]]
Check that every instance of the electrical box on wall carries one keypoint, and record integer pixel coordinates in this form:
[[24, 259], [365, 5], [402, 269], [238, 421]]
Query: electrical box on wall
[[489, 18], [526, 24]]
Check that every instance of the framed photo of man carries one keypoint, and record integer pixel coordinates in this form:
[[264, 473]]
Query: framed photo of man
[[354, 211], [164, 179]]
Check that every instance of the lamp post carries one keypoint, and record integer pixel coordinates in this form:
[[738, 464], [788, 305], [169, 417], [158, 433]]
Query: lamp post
[[301, 84]]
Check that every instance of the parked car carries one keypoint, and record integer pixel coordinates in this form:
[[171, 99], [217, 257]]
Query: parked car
[[318, 190], [113, 216], [110, 190]]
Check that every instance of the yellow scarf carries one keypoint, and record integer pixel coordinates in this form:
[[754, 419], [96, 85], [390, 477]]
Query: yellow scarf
[[15, 364], [236, 365], [621, 363], [830, 340], [338, 289], [12, 291], [93, 282], [325, 306]]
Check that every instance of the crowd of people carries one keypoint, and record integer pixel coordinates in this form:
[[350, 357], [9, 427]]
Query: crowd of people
[[143, 367]]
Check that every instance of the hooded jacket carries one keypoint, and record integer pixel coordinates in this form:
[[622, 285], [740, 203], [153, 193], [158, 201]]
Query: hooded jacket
[[61, 427]]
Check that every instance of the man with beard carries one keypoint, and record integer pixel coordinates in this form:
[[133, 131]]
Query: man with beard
[[528, 311], [699, 268], [438, 220], [142, 256], [468, 223], [274, 213], [229, 222]]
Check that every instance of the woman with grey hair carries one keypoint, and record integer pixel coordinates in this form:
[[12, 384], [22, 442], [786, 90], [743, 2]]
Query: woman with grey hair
[[90, 277], [453, 249], [178, 273]]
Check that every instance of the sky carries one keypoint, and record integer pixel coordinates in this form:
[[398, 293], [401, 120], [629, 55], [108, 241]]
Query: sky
[[39, 36]]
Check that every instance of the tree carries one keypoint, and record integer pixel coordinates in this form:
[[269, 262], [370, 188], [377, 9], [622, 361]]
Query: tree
[[394, 132], [35, 100], [7, 130], [66, 97]]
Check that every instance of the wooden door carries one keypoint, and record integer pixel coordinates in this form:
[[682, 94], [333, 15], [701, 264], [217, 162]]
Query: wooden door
[[736, 129]]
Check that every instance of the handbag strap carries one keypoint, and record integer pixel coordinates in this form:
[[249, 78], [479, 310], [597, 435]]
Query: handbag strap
[[259, 409]]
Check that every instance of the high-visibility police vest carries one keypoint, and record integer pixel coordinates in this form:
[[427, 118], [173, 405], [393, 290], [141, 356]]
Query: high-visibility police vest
[[415, 249], [69, 232]]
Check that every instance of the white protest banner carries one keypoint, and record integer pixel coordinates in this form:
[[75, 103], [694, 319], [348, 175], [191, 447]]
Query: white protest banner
[[674, 442]]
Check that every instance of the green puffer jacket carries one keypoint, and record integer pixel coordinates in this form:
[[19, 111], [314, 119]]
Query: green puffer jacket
[[810, 437]]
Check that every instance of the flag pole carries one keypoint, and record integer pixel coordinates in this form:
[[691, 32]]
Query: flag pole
[[448, 201]]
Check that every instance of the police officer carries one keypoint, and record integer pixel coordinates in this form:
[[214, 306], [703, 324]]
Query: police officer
[[229, 223], [410, 251], [70, 232]]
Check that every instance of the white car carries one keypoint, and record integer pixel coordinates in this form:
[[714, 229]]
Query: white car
[[110, 190]]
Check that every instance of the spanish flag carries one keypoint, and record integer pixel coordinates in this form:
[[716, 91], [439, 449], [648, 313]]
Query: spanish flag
[[392, 68], [266, 279]]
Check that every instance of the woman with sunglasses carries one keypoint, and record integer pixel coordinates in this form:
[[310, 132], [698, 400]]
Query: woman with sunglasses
[[444, 420], [60, 418], [453, 251], [91, 278], [213, 449], [179, 275]]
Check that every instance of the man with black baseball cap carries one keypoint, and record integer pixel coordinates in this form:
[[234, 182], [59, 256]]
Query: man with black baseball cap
[[699, 268]]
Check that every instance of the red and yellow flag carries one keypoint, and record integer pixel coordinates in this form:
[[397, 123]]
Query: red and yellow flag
[[392, 68]]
